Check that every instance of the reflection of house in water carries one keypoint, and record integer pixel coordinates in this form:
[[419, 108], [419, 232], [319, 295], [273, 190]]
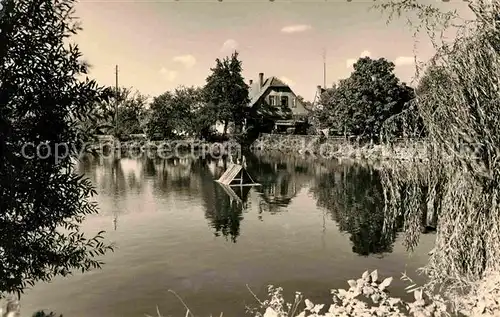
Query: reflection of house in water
[[280, 191], [281, 177]]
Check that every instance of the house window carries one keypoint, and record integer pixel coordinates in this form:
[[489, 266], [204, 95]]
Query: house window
[[284, 101], [272, 190], [273, 100], [294, 102]]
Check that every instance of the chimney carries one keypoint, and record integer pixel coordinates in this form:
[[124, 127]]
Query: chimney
[[261, 80], [319, 90], [250, 82]]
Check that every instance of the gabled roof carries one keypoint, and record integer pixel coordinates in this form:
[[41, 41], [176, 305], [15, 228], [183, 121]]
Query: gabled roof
[[309, 107], [254, 92]]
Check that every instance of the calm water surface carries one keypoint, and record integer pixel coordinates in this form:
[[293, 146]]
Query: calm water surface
[[309, 228]]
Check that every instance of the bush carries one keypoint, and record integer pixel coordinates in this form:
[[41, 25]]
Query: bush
[[366, 296]]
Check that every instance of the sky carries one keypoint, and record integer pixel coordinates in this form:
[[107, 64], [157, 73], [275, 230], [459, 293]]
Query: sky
[[160, 45]]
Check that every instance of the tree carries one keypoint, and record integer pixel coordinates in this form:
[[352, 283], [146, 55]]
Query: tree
[[42, 201], [130, 113], [227, 91], [99, 120], [433, 75], [409, 122], [327, 95], [181, 112], [321, 116], [361, 103], [159, 125]]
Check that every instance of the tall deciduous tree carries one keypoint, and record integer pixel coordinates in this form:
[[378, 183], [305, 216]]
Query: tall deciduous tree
[[321, 116], [42, 101], [182, 111], [227, 91], [372, 94], [130, 112]]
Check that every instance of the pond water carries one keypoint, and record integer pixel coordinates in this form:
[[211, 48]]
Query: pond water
[[310, 227]]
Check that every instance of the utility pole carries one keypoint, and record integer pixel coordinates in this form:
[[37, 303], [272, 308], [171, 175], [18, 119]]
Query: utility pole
[[116, 99], [324, 68]]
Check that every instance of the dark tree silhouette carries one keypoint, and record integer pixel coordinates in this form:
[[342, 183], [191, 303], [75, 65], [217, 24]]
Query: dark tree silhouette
[[223, 214], [42, 201], [360, 104], [355, 200], [227, 91]]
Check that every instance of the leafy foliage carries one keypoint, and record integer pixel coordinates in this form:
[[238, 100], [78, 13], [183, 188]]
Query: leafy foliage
[[99, 120], [366, 296], [182, 111], [322, 114], [44, 314], [227, 91], [131, 112], [354, 198], [464, 82], [42, 201], [360, 104]]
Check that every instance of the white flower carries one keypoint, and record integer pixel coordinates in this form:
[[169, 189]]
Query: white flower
[[270, 313]]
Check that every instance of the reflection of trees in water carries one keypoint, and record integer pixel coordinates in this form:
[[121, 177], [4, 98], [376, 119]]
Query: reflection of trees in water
[[113, 174], [227, 215], [355, 199], [179, 175], [352, 195], [223, 209], [150, 166]]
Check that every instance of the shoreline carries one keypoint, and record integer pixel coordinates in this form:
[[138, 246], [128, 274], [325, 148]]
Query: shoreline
[[341, 148]]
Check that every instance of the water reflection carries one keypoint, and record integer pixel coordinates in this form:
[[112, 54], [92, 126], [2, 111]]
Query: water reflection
[[224, 205], [352, 195], [281, 180], [227, 214], [354, 198], [178, 229]]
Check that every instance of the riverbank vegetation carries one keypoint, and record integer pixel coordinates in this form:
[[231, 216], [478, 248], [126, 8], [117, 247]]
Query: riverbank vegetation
[[321, 147], [42, 201]]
